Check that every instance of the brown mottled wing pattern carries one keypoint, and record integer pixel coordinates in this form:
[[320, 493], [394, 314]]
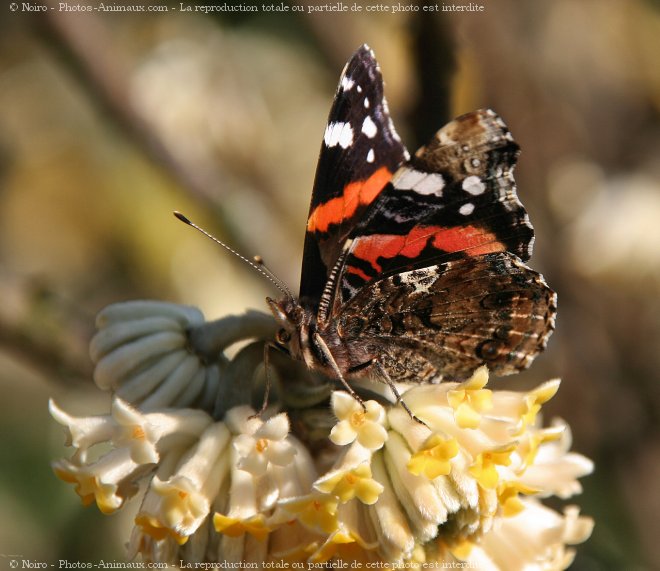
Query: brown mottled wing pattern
[[448, 319]]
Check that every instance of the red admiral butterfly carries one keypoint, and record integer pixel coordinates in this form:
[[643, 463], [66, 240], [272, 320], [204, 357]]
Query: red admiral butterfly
[[413, 267]]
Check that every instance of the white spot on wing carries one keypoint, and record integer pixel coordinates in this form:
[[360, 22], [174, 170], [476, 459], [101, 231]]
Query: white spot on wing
[[366, 103], [370, 156], [338, 134], [406, 179], [347, 83], [369, 127], [466, 209], [432, 183], [421, 182], [474, 185]]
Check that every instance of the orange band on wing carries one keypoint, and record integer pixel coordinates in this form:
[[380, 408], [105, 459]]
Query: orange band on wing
[[355, 194], [472, 240], [358, 272]]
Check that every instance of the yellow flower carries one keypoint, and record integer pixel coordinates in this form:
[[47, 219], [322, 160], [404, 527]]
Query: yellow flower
[[533, 401], [470, 399], [234, 527], [153, 527], [465, 486], [344, 545], [484, 466], [316, 511], [549, 464], [508, 497], [183, 501], [433, 459], [533, 440], [348, 484]]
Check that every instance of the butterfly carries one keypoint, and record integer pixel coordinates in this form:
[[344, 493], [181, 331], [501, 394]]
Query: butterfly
[[413, 267]]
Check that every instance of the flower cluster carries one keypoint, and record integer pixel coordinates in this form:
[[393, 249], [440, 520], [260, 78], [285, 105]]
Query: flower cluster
[[465, 484]]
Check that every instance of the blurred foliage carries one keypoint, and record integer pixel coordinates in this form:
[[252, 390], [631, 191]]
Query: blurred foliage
[[108, 122]]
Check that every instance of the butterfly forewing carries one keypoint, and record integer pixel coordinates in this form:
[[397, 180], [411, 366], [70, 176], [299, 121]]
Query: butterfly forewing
[[359, 154]]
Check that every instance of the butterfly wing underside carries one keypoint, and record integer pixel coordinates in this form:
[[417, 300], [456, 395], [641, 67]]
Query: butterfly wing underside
[[418, 264], [448, 319], [433, 282]]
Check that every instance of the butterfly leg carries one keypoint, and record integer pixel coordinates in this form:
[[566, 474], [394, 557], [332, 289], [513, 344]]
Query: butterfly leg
[[267, 347], [388, 381], [321, 344]]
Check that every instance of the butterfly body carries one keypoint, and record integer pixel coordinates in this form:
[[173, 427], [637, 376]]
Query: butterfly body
[[413, 268]]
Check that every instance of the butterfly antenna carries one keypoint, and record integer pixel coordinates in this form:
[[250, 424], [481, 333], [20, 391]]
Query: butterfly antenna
[[258, 264], [262, 264]]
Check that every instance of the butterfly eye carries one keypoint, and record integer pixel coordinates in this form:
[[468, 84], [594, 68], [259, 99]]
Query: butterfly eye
[[283, 336]]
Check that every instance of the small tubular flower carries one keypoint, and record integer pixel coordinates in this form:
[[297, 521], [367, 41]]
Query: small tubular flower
[[484, 468], [83, 432], [264, 443], [110, 481], [316, 511], [182, 502], [449, 484], [234, 527], [351, 483], [470, 399], [356, 423], [433, 458]]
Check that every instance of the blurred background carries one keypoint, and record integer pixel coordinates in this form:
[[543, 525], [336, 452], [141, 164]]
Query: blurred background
[[111, 120]]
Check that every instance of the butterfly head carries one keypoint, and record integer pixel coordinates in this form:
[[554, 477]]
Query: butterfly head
[[294, 327]]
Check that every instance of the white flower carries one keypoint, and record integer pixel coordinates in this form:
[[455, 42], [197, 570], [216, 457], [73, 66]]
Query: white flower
[[145, 435], [553, 468], [356, 423], [139, 440], [83, 432], [182, 502], [264, 443], [536, 538], [464, 486]]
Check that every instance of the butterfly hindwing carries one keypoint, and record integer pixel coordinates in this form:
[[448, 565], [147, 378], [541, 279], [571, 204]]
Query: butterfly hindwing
[[359, 154], [450, 318]]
